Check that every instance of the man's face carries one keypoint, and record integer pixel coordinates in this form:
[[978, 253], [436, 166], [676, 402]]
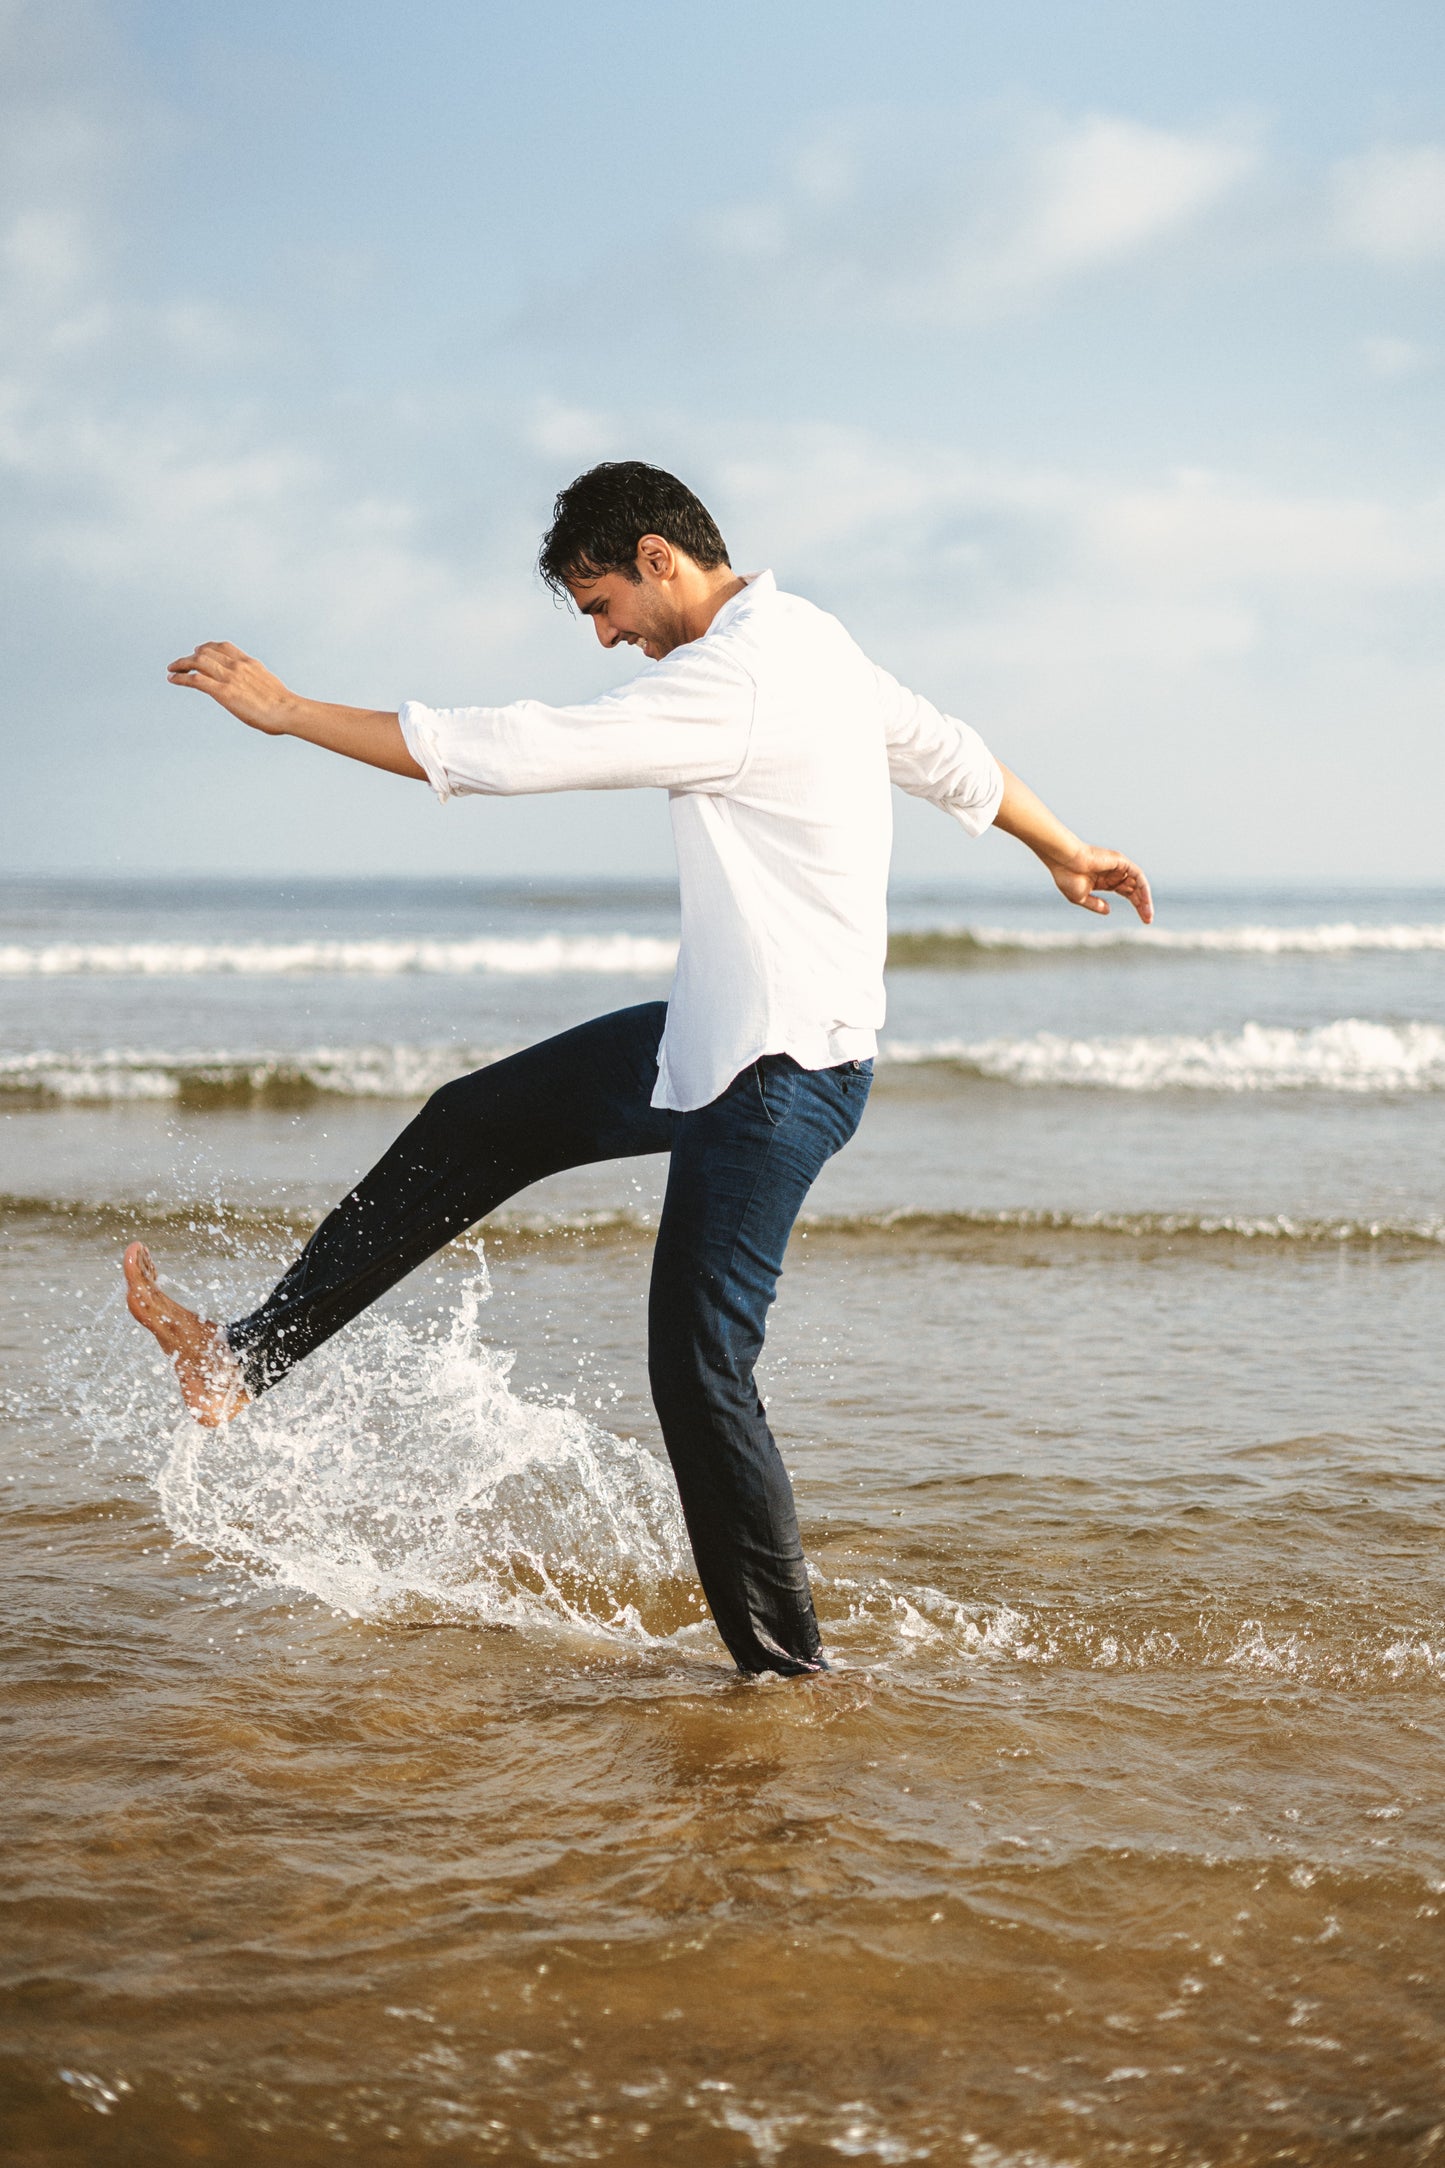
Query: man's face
[[634, 613]]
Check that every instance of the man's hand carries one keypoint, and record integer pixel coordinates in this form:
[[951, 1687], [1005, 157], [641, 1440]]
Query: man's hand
[[243, 686], [1083, 873], [1089, 870], [246, 689]]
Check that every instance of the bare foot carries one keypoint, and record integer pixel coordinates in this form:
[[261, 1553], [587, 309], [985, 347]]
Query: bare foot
[[206, 1370]]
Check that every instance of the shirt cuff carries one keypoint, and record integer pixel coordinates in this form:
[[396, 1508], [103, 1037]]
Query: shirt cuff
[[975, 814], [418, 728]]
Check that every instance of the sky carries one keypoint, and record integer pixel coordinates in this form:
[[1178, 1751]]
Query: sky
[[1088, 361]]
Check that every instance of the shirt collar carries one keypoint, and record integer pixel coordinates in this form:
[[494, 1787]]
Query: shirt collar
[[755, 586]]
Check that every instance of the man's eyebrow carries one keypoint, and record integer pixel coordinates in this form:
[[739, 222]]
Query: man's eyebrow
[[590, 609]]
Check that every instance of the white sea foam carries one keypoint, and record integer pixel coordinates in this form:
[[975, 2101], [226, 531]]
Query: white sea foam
[[397, 1475], [550, 955], [1350, 1055], [632, 955], [1338, 939], [873, 1620], [129, 1073]]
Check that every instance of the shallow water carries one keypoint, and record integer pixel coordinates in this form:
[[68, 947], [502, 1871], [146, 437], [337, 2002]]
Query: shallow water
[[380, 1791]]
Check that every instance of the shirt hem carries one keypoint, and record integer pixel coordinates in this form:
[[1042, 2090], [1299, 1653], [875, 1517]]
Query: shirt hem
[[850, 1043]]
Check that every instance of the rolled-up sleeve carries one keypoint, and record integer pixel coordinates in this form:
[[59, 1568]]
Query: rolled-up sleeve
[[934, 756], [681, 724]]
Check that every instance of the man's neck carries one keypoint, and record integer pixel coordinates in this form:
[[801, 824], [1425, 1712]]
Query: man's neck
[[699, 611]]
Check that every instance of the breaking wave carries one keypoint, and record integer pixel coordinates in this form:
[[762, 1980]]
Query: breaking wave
[[622, 955], [219, 1079], [631, 955], [1351, 1055], [942, 947]]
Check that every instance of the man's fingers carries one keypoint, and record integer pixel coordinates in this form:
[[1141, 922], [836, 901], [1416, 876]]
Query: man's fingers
[[1137, 890], [210, 668], [214, 654], [1135, 887], [1124, 878], [200, 674]]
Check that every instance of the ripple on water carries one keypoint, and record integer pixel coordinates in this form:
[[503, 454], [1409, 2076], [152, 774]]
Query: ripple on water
[[398, 1476]]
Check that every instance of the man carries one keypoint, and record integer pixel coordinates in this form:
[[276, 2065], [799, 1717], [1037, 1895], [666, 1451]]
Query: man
[[776, 739]]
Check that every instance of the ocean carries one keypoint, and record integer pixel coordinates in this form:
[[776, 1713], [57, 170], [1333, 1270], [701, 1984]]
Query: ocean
[[378, 1789]]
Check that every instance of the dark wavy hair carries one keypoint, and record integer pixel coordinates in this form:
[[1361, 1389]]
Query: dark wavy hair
[[598, 521]]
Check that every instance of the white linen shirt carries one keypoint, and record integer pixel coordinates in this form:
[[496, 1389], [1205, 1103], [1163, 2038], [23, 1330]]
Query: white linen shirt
[[775, 738]]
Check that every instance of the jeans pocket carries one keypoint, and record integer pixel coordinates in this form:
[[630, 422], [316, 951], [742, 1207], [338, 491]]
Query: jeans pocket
[[773, 1075], [856, 1082]]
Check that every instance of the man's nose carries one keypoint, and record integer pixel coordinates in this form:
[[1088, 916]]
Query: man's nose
[[607, 634]]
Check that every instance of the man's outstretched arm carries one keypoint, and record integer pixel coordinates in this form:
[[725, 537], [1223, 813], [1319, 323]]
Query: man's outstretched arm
[[1080, 870], [247, 690], [934, 756]]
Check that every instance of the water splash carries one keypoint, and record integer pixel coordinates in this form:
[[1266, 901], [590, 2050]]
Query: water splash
[[397, 1475]]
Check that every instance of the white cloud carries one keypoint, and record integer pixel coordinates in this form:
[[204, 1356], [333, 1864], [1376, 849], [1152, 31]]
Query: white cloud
[[44, 249], [166, 473], [1394, 359], [141, 468], [1202, 531], [1108, 188], [1389, 205], [1203, 667], [562, 431], [1107, 551], [224, 522], [854, 232], [750, 230]]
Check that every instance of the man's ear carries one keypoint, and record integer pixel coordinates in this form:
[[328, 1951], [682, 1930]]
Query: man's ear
[[656, 557]]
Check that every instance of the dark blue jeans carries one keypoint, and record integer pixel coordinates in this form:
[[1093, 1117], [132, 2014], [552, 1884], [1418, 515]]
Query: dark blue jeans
[[741, 1168]]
